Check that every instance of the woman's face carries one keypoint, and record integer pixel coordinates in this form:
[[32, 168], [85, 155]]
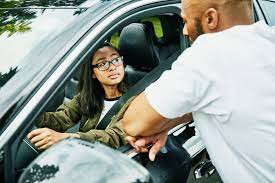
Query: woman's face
[[114, 74]]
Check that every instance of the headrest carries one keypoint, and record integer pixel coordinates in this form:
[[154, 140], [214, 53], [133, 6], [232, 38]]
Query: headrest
[[137, 47], [151, 30], [170, 28]]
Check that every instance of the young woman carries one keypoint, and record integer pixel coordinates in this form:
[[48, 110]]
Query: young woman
[[101, 85]]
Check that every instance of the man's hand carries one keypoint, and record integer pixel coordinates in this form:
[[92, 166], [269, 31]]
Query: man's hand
[[141, 144], [44, 138]]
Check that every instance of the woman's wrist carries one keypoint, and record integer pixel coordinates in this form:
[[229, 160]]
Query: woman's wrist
[[72, 135]]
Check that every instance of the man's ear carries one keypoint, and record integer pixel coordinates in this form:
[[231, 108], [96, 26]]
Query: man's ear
[[211, 19]]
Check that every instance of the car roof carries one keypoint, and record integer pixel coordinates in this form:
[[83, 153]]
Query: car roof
[[42, 4]]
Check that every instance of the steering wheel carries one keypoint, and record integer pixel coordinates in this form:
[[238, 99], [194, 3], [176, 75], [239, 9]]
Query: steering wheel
[[26, 153]]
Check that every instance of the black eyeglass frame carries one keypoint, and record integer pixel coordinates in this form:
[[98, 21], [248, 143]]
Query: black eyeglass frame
[[109, 62]]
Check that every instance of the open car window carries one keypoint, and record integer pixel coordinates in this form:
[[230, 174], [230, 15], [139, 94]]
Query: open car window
[[161, 41]]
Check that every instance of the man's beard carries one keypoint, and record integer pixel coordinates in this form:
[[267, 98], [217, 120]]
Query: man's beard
[[198, 27]]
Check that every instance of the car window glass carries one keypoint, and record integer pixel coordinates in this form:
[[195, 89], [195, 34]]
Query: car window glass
[[16, 40], [21, 29], [18, 81], [269, 8]]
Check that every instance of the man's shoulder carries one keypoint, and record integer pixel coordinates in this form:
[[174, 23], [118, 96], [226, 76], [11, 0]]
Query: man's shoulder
[[239, 32], [209, 40], [224, 41], [202, 48], [207, 50]]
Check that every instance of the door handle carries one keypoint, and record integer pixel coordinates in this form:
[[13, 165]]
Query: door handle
[[205, 168]]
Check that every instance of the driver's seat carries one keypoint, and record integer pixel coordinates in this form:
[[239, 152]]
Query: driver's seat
[[137, 47]]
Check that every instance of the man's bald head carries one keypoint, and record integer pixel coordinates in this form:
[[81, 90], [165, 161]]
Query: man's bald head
[[216, 15], [202, 5]]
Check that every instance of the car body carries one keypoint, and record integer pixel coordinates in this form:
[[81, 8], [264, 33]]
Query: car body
[[56, 38]]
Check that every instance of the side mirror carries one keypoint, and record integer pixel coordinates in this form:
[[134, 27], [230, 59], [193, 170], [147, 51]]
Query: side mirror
[[74, 160]]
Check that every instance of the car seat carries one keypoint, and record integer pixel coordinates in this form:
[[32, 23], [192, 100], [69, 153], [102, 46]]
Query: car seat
[[136, 44], [169, 43], [140, 53], [140, 56]]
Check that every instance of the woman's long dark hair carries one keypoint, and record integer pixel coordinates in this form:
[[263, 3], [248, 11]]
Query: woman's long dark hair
[[91, 93]]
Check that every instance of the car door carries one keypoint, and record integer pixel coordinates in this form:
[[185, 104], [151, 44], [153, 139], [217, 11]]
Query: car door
[[64, 53], [67, 52]]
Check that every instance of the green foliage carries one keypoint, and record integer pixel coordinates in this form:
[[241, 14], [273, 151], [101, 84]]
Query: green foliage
[[14, 20], [15, 28], [115, 39]]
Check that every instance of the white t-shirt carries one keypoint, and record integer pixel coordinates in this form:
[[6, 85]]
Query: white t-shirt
[[227, 80], [108, 103]]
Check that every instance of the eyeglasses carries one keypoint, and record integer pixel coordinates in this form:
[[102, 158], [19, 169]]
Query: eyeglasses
[[105, 65]]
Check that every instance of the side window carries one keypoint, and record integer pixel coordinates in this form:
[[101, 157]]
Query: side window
[[269, 10]]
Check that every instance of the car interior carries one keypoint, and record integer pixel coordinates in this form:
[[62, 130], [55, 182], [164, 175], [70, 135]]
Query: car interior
[[142, 51], [149, 47]]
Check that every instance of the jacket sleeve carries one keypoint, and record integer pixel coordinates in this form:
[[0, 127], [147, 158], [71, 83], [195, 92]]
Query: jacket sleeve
[[113, 135], [66, 116]]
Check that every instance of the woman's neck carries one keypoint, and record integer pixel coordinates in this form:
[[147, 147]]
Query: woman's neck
[[111, 92]]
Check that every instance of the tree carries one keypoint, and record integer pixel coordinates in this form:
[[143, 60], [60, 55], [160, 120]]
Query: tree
[[14, 20]]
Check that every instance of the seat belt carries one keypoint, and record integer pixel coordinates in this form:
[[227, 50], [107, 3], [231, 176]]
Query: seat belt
[[136, 89]]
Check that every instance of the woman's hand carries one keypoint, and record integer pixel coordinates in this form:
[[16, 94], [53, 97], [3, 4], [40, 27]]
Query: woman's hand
[[43, 138], [142, 144]]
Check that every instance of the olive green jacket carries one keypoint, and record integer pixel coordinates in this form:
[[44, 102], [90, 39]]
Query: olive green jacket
[[68, 115]]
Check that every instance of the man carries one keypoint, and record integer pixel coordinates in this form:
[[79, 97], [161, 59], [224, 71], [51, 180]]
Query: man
[[227, 80]]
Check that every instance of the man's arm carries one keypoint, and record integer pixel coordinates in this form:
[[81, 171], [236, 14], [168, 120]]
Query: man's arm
[[157, 140], [141, 119]]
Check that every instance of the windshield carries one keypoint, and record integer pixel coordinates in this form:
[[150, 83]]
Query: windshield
[[21, 29]]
